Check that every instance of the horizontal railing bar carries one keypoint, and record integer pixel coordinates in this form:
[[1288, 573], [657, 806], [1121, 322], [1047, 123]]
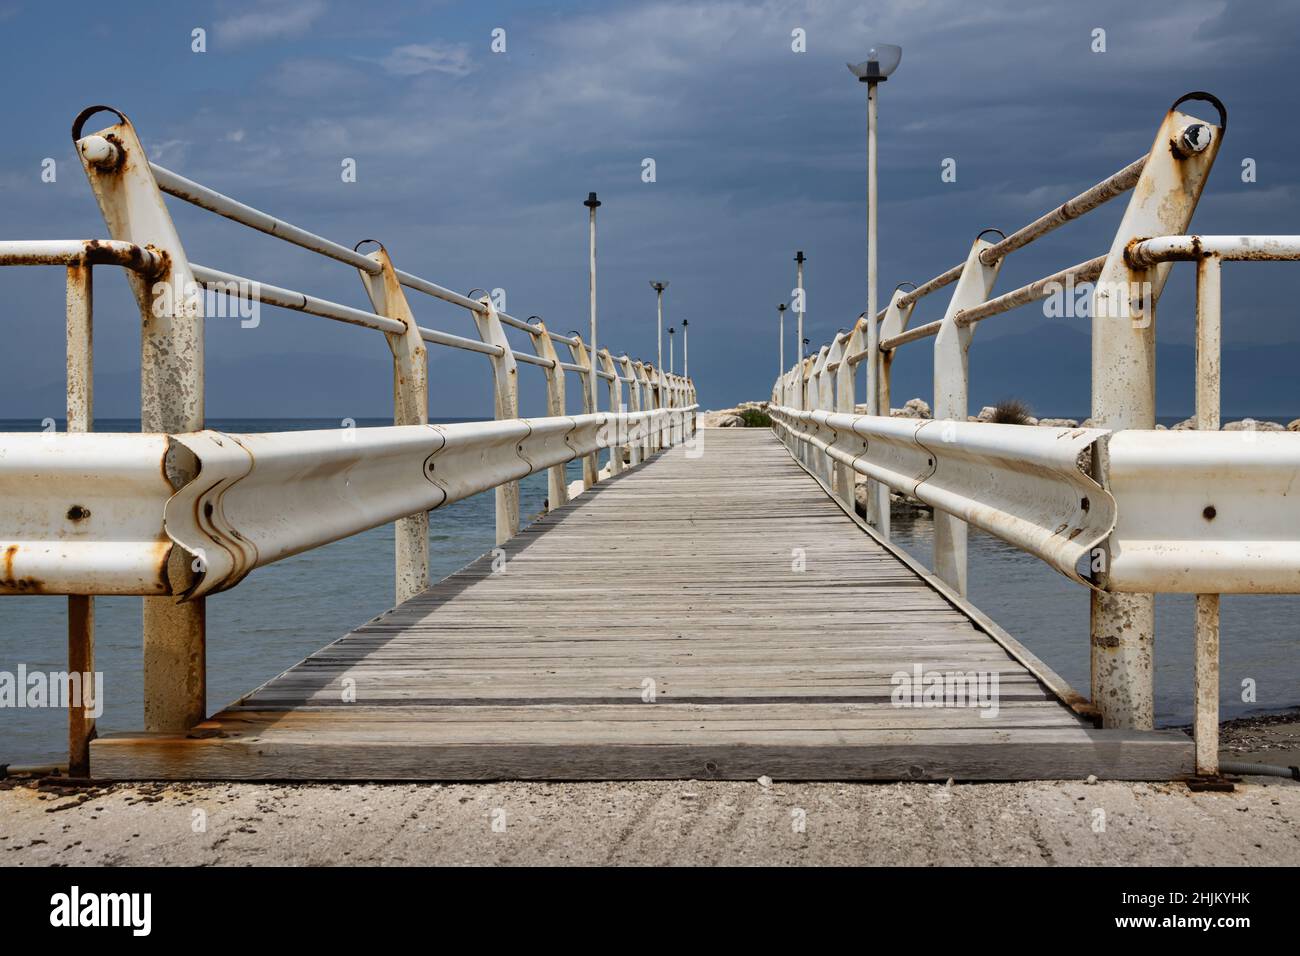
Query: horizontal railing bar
[[61, 252], [1148, 252], [911, 335], [438, 292], [199, 195], [298, 301], [204, 197], [533, 359], [571, 367], [459, 342], [934, 285], [1086, 201], [1083, 272]]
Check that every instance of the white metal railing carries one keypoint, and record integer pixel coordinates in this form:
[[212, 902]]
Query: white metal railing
[[1145, 510], [178, 511]]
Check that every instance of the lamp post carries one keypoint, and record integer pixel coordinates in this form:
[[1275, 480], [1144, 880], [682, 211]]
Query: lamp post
[[591, 203], [780, 354], [671, 330], [799, 311], [882, 59], [659, 332], [686, 359]]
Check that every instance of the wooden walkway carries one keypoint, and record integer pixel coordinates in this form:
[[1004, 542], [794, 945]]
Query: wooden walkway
[[657, 627]]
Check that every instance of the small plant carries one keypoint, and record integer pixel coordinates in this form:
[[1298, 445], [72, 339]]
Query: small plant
[[755, 418], [1011, 411]]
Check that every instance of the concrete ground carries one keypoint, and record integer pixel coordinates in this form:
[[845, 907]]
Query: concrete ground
[[670, 822], [652, 823]]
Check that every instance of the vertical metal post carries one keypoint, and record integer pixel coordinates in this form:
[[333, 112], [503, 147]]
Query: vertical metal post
[[616, 408], [557, 486], [81, 607], [686, 358], [781, 370], [799, 261], [1206, 645], [876, 492], [845, 393], [171, 401], [592, 203], [894, 322], [672, 363], [1122, 626], [590, 470], [505, 405], [951, 386], [410, 407], [647, 404], [634, 405]]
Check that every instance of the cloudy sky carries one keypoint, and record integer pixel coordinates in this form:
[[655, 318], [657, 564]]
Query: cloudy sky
[[472, 166]]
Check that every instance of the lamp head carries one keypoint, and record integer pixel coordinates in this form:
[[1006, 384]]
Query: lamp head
[[658, 286], [882, 60]]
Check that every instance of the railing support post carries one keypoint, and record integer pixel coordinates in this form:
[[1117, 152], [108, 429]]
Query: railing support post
[[410, 407], [616, 407], [821, 398], [171, 402], [647, 404], [81, 607], [1206, 639], [846, 377], [880, 398], [634, 405], [951, 388], [505, 403], [557, 484], [590, 463], [1122, 626]]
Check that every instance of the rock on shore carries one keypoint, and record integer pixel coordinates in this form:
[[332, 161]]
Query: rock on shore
[[729, 417]]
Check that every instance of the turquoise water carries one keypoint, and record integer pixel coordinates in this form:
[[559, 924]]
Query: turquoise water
[[285, 611]]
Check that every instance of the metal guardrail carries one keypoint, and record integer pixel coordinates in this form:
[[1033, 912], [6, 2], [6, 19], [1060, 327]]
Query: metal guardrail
[[181, 511], [1164, 512], [255, 498], [1024, 485]]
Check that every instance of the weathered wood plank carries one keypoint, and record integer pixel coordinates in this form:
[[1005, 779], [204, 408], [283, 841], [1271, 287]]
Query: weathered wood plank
[[771, 627]]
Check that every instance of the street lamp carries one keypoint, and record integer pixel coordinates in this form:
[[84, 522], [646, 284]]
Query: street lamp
[[659, 333], [592, 203], [780, 372], [671, 330], [799, 312], [882, 59], [686, 359]]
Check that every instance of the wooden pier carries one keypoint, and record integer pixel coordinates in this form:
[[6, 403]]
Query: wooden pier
[[713, 615]]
